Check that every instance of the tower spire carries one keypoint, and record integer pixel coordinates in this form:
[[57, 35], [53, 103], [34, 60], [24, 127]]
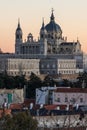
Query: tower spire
[[77, 39], [52, 10], [42, 28], [43, 22], [52, 15], [18, 22]]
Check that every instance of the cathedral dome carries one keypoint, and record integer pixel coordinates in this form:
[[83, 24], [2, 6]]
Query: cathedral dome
[[52, 26]]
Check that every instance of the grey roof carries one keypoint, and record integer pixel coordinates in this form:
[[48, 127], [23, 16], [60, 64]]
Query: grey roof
[[52, 26], [68, 43]]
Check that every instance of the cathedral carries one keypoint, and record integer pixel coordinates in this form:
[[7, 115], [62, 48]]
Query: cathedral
[[50, 54], [51, 41]]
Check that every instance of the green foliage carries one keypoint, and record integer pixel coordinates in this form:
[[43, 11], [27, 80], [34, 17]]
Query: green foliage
[[11, 82], [80, 82], [19, 121], [66, 83], [48, 81], [34, 79], [20, 81], [33, 83], [82, 78]]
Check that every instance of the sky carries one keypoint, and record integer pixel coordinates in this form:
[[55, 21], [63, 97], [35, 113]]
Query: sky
[[71, 15]]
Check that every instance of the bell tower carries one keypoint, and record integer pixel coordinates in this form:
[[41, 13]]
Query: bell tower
[[18, 38], [43, 32], [43, 39]]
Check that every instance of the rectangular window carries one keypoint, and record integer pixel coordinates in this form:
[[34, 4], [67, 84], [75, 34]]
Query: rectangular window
[[73, 100], [66, 99], [81, 99], [58, 99]]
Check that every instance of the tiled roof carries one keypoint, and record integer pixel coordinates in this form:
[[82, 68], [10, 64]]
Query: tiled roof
[[16, 106], [51, 107], [28, 101], [5, 112], [54, 107]]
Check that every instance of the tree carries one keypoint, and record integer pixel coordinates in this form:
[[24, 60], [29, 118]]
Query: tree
[[19, 121], [1, 80], [82, 78], [12, 82], [48, 81], [20, 81], [34, 82], [66, 83]]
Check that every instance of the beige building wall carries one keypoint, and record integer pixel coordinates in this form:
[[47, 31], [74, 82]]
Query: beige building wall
[[16, 96], [14, 66], [66, 66], [70, 96]]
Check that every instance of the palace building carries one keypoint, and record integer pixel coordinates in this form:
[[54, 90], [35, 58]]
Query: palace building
[[50, 54]]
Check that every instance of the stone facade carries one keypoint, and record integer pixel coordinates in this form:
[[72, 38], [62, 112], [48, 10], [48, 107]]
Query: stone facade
[[51, 41], [66, 66], [51, 53], [58, 66], [15, 66]]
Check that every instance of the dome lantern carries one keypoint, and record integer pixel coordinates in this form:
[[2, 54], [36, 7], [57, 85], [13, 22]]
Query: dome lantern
[[53, 29], [52, 16]]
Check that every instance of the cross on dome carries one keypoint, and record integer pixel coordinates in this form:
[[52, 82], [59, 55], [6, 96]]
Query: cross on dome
[[52, 15], [52, 10]]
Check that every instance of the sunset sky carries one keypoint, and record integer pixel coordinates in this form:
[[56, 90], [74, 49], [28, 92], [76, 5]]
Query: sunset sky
[[71, 15]]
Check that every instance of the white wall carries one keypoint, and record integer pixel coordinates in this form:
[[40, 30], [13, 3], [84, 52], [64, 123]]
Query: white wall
[[77, 96]]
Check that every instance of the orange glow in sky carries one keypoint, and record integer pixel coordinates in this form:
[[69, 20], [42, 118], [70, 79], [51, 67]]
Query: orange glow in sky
[[69, 14]]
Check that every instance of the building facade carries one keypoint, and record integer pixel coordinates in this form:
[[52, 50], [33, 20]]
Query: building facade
[[51, 53], [8, 97], [70, 96], [61, 96], [15, 66], [51, 41]]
